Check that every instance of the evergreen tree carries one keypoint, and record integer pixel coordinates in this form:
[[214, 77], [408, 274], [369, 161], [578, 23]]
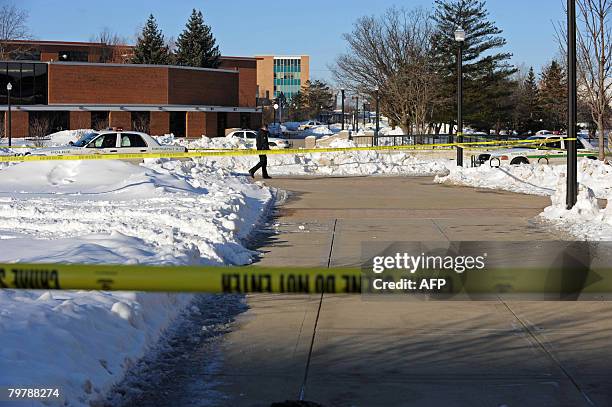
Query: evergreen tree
[[314, 97], [196, 46], [486, 73], [151, 47], [528, 109], [553, 97]]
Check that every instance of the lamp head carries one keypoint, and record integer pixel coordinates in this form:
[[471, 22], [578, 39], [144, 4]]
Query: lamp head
[[9, 86], [275, 106], [460, 35]]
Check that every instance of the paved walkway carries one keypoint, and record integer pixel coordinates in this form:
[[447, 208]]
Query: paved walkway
[[398, 353]]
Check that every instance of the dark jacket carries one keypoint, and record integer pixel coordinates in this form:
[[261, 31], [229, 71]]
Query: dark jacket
[[262, 140]]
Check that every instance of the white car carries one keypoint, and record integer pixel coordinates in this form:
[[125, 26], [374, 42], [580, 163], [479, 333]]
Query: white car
[[309, 124], [110, 142], [536, 152], [250, 135]]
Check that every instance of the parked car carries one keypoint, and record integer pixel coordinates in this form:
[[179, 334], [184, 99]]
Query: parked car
[[309, 124], [110, 142], [250, 136], [536, 152]]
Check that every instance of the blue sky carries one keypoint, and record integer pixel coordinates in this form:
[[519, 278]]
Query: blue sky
[[312, 27]]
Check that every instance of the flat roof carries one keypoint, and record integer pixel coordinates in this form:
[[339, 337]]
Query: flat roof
[[129, 108], [70, 43], [121, 65]]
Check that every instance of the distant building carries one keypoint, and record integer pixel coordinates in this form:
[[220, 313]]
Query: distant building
[[286, 74], [66, 51]]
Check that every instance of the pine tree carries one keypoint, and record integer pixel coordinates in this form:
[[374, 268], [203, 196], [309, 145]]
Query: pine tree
[[553, 97], [531, 103], [314, 97], [151, 47], [486, 74], [196, 46]]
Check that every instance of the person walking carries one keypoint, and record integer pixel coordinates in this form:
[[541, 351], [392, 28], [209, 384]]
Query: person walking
[[262, 145]]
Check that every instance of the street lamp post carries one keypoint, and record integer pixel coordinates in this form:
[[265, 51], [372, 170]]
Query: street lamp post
[[377, 91], [342, 91], [356, 114], [364, 115], [9, 87], [460, 38], [572, 151], [275, 110]]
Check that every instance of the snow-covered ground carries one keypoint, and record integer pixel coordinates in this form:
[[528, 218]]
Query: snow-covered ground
[[533, 179], [162, 212]]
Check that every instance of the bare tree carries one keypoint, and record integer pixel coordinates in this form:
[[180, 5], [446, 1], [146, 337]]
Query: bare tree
[[13, 26], [392, 53], [116, 49], [40, 127], [594, 48]]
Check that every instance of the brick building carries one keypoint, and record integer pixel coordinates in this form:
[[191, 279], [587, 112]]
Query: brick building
[[51, 96]]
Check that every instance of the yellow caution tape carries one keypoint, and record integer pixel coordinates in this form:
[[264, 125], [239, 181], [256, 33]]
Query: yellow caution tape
[[250, 152], [253, 279], [178, 278]]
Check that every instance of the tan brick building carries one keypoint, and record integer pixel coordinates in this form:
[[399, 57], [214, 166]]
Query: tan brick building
[[286, 74]]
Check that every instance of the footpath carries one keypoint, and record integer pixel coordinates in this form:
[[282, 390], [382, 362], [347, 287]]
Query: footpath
[[346, 351]]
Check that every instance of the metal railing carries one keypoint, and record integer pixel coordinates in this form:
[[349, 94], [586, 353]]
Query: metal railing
[[421, 139]]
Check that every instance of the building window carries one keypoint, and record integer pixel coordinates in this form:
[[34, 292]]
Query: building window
[[99, 120], [29, 82], [141, 121], [178, 123], [44, 123], [73, 56]]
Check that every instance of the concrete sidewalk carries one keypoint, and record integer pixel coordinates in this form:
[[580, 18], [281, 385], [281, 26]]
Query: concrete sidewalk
[[400, 353]]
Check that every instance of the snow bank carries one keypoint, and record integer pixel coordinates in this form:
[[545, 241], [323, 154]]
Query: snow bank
[[163, 212], [585, 220], [356, 163], [64, 137], [533, 179]]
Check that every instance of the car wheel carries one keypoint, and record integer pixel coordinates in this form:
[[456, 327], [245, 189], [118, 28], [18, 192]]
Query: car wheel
[[519, 161]]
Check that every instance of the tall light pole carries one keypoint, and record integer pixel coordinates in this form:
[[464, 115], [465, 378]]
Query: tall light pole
[[460, 38], [356, 114], [377, 91], [9, 87], [572, 151], [342, 91], [275, 109]]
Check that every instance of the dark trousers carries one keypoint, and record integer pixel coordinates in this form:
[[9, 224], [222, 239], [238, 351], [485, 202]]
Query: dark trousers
[[263, 164]]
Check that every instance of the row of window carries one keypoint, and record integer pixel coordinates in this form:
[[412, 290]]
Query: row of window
[[29, 82], [288, 65], [287, 82]]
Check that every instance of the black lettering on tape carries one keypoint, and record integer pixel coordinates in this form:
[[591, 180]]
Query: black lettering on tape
[[246, 283], [3, 283], [36, 279]]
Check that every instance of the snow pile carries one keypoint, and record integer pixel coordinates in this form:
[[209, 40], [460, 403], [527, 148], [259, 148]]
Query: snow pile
[[533, 179], [318, 131], [350, 163], [391, 131], [163, 212], [356, 163], [64, 137], [585, 220]]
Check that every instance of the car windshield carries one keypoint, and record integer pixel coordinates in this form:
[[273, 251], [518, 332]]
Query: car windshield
[[85, 139]]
